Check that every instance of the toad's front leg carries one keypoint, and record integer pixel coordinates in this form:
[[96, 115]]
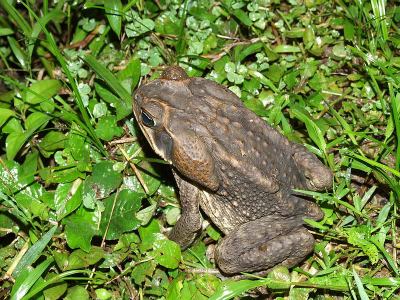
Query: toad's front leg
[[317, 176], [188, 226]]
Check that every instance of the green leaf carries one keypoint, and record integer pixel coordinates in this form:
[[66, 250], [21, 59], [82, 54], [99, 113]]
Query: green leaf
[[167, 25], [34, 252], [359, 236], [54, 49], [190, 291], [6, 31], [264, 80], [5, 114], [77, 292], [286, 49], [248, 50], [78, 145], [385, 253], [148, 175], [141, 271], [113, 12], [119, 214], [213, 233], [52, 141], [348, 28], [80, 259], [100, 110], [207, 284], [107, 128], [242, 16], [147, 235], [18, 52], [139, 27], [281, 278], [146, 214], [25, 190], [334, 282], [385, 281], [174, 288], [103, 181], [80, 228], [6, 222], [347, 128], [122, 109], [35, 121], [275, 72], [67, 198], [167, 253], [131, 71], [300, 293], [103, 294], [56, 290], [16, 140], [41, 90], [60, 176], [373, 163]]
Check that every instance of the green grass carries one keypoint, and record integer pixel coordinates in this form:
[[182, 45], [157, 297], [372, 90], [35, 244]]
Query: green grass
[[84, 203]]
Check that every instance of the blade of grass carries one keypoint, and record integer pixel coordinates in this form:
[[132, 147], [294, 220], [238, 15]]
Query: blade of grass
[[53, 15], [395, 107], [387, 256], [67, 113], [17, 17], [18, 52], [389, 281], [109, 78], [57, 278], [361, 291], [45, 7], [312, 129], [113, 11], [52, 47], [22, 288], [229, 289], [347, 129], [264, 80], [180, 45], [375, 164], [34, 252], [378, 8]]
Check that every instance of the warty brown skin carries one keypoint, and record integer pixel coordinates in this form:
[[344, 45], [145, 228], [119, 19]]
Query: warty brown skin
[[240, 171]]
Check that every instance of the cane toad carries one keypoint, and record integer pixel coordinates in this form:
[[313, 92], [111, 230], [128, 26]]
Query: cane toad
[[233, 166]]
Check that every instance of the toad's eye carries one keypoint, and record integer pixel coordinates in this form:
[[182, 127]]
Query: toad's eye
[[147, 119]]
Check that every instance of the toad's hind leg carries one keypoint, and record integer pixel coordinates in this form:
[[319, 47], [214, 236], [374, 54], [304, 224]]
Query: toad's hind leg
[[262, 244]]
